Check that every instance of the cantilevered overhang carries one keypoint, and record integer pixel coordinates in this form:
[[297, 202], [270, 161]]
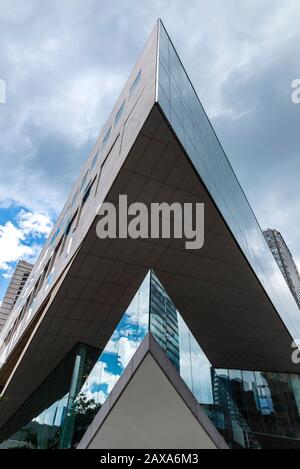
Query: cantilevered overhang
[[215, 289]]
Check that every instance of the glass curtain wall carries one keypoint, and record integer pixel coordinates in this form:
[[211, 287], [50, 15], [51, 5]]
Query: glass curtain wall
[[251, 409], [76, 390], [40, 420]]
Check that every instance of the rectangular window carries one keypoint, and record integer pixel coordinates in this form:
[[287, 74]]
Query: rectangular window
[[85, 198], [55, 236], [88, 191], [43, 276], [119, 113], [95, 160], [71, 227], [53, 258], [84, 181], [135, 83], [106, 138], [74, 198]]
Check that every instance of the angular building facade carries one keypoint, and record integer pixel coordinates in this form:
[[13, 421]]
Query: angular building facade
[[285, 261], [14, 290], [185, 348]]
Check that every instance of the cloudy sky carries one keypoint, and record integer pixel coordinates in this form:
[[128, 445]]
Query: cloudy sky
[[65, 62]]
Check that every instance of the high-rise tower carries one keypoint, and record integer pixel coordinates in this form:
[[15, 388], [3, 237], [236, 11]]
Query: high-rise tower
[[285, 261], [14, 290]]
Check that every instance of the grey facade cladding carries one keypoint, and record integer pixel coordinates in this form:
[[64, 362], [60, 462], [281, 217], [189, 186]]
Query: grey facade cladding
[[182, 107], [97, 176], [285, 261], [14, 290]]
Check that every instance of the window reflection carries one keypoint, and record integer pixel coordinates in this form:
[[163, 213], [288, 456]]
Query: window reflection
[[251, 409], [182, 107]]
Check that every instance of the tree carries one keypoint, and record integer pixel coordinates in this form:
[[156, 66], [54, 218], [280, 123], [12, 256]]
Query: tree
[[84, 410], [30, 437]]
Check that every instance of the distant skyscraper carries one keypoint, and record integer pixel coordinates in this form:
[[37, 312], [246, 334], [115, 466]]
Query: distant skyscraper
[[285, 261], [13, 292]]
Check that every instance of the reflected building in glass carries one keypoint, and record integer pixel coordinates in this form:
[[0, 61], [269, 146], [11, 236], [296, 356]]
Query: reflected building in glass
[[182, 348], [285, 261], [164, 321], [252, 410]]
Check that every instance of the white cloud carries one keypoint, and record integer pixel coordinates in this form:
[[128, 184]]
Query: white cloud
[[78, 97], [7, 276], [11, 245], [34, 223], [20, 240], [99, 376]]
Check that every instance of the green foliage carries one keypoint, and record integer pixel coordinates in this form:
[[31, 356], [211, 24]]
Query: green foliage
[[84, 410], [30, 437]]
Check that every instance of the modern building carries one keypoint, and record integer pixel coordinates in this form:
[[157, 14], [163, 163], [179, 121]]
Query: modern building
[[164, 321], [285, 261], [14, 290], [182, 348]]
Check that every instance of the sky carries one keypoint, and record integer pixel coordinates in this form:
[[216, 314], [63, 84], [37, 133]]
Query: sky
[[65, 62]]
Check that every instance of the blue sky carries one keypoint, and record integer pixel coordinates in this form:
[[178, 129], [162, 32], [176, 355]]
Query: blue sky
[[65, 62], [22, 234]]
